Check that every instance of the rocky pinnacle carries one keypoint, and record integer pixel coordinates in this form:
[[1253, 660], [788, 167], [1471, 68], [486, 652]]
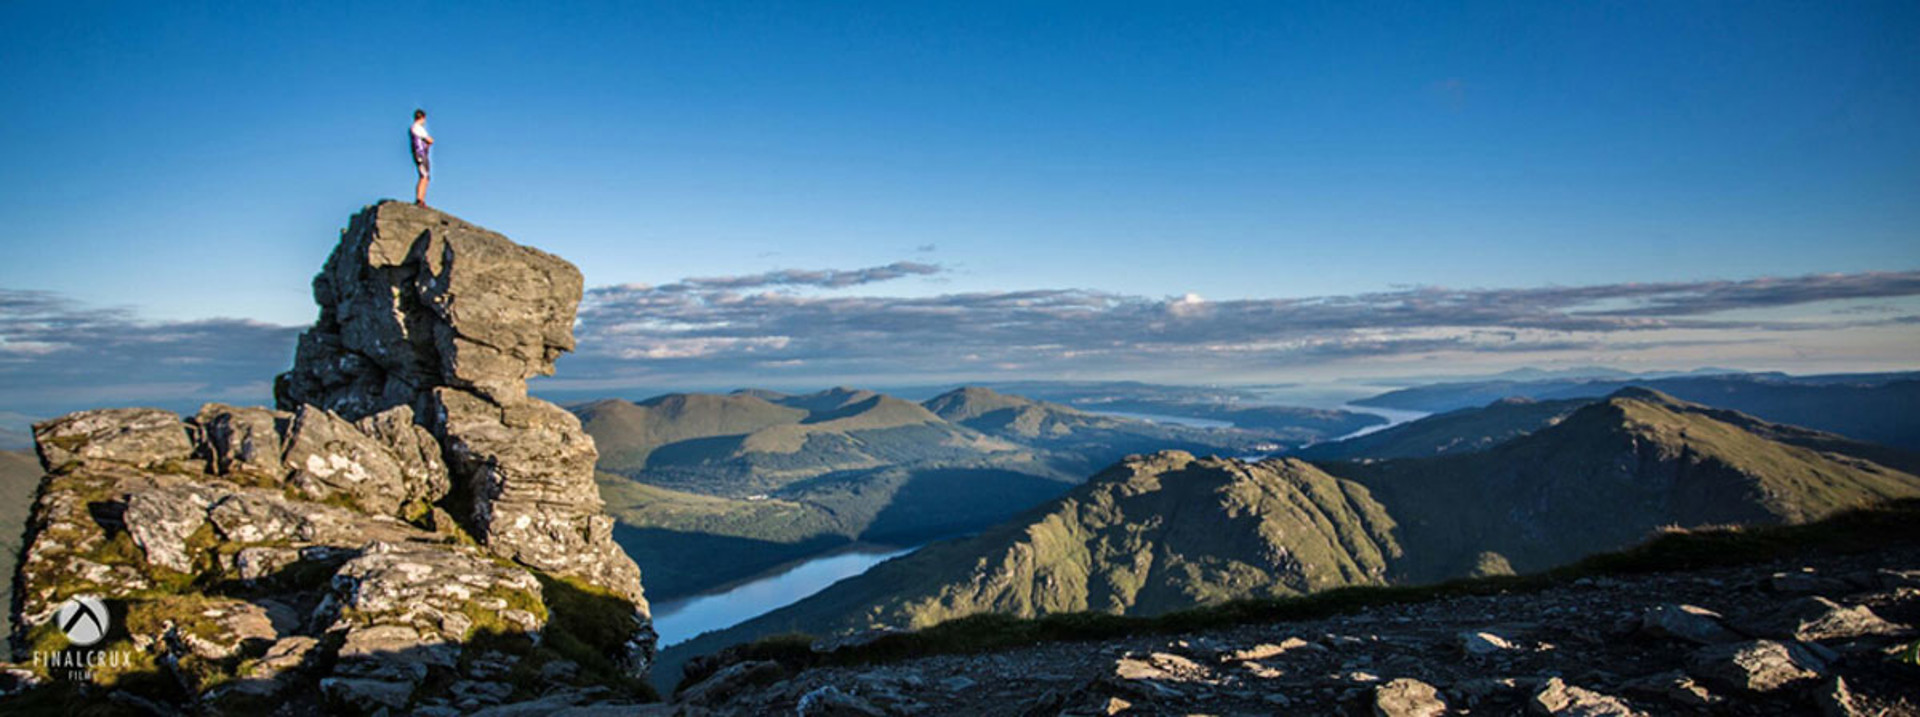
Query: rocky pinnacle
[[421, 309]]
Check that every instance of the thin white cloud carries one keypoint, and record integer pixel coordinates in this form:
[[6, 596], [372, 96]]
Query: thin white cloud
[[56, 355]]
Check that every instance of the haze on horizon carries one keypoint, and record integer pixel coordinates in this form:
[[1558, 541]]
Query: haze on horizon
[[884, 194]]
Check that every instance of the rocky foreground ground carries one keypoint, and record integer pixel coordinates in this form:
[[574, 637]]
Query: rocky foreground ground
[[1825, 635]]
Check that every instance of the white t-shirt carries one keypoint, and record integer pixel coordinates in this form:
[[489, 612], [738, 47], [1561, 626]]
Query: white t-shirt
[[420, 137]]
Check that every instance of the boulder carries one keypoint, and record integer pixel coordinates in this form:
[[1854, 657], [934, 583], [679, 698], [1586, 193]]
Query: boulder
[[283, 656], [1686, 622], [423, 473], [220, 628], [1559, 699], [436, 591], [1407, 697], [1483, 644], [1755, 666], [161, 520], [145, 437], [332, 460], [1815, 618], [261, 562], [256, 518], [830, 701], [242, 440]]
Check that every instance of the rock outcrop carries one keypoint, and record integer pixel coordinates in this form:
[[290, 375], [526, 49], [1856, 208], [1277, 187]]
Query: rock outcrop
[[251, 556], [420, 311]]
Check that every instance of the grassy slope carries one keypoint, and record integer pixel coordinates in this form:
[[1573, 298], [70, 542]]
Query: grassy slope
[[1607, 475], [19, 479], [1154, 534], [627, 433], [1462, 431]]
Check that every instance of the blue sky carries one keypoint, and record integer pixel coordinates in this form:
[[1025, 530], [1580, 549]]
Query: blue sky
[[170, 164]]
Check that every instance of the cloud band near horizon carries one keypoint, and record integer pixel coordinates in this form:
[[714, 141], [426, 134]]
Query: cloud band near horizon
[[792, 327]]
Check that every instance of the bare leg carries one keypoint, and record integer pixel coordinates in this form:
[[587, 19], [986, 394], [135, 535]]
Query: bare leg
[[420, 190]]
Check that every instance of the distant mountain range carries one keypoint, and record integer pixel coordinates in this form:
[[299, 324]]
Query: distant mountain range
[[1869, 407], [728, 485], [1244, 407], [1162, 532]]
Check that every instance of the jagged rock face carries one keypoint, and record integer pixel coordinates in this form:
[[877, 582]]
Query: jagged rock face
[[242, 440], [421, 311], [413, 298], [530, 469]]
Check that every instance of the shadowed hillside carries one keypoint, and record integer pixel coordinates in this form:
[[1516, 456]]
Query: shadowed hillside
[[1881, 408], [1462, 431], [1610, 473]]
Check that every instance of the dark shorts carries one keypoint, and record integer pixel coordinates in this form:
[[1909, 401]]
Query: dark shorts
[[423, 164]]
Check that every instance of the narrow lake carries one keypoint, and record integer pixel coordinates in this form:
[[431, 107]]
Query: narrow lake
[[1394, 417], [682, 619], [1187, 421]]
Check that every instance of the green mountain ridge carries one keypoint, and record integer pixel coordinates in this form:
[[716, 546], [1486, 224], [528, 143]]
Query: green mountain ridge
[[1149, 535], [1169, 531]]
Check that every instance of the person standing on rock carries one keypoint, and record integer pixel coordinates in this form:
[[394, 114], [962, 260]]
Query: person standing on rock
[[422, 142]]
